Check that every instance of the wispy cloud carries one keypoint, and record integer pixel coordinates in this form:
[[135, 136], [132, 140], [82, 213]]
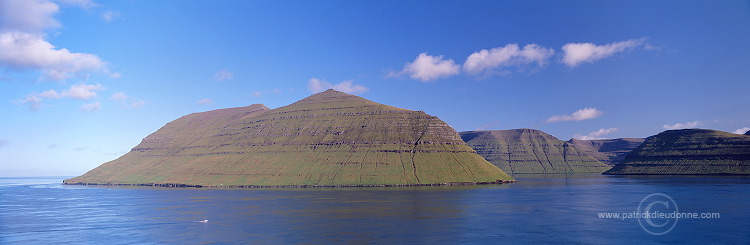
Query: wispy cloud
[[109, 15], [693, 124], [510, 55], [82, 91], [487, 126], [77, 91], [596, 135], [84, 4], [576, 53], [138, 104], [23, 45], [123, 99], [91, 107], [223, 74], [429, 68], [32, 102], [119, 96], [742, 130], [205, 101], [4, 143], [579, 115], [316, 85]]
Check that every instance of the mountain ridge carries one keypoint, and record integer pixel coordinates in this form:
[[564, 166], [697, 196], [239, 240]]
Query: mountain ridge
[[688, 151], [530, 151], [326, 139], [608, 151]]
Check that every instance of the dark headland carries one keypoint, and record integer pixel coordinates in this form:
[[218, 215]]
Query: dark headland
[[689, 151], [327, 139], [530, 151]]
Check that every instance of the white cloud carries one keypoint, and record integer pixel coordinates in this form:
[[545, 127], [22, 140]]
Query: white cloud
[[257, 94], [82, 91], [27, 15], [23, 45], [50, 94], [509, 55], [78, 91], [596, 135], [316, 86], [427, 68], [223, 74], [115, 75], [579, 115], [742, 130], [84, 4], [682, 125], [576, 53], [204, 101], [119, 96], [91, 107], [26, 51]]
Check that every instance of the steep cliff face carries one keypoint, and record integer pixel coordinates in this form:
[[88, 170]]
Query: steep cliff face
[[529, 151], [327, 139], [688, 151], [608, 151]]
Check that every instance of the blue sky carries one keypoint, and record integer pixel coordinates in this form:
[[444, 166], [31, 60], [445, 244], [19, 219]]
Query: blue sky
[[83, 81]]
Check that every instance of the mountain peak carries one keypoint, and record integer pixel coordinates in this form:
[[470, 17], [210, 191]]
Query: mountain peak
[[327, 139]]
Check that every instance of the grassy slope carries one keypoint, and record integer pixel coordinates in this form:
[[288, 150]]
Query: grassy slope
[[689, 151], [608, 151], [330, 138], [531, 151]]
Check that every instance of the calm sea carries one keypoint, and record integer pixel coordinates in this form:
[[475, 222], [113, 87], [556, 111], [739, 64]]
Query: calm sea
[[537, 209]]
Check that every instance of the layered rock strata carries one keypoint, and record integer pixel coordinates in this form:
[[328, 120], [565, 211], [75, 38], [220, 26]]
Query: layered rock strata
[[328, 139], [689, 151], [529, 151]]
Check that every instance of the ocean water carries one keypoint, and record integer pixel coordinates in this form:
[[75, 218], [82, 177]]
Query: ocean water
[[537, 209]]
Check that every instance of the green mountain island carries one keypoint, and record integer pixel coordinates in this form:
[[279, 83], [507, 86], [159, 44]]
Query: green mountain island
[[327, 139], [530, 151], [608, 151], [688, 151]]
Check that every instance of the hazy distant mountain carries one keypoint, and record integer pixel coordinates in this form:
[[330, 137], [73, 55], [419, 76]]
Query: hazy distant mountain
[[608, 151], [688, 151], [530, 151], [327, 139]]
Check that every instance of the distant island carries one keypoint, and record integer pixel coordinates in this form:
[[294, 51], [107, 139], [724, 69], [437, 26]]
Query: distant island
[[327, 139], [688, 151], [531, 151], [608, 151]]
